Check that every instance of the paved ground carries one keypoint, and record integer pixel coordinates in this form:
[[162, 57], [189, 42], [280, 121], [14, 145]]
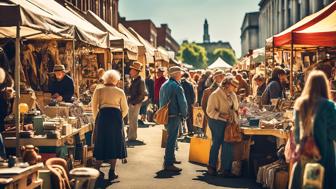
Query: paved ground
[[144, 169]]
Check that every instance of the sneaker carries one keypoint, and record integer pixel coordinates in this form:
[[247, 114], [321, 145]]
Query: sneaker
[[172, 168]]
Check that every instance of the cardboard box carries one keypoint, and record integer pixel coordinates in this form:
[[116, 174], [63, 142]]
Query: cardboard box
[[199, 151], [54, 111], [29, 99], [241, 150], [42, 99]]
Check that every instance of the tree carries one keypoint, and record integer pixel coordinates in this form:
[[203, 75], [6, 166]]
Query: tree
[[193, 54], [226, 54]]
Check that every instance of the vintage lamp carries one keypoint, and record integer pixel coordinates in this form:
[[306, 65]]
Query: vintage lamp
[[23, 109]]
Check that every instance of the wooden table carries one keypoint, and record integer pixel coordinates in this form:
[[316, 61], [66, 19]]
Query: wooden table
[[40, 140], [17, 178], [282, 134]]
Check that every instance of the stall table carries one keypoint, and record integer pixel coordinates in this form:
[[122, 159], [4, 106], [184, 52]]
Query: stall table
[[16, 177], [10, 142], [282, 134]]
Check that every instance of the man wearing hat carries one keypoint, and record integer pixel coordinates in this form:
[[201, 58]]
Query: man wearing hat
[[137, 93], [62, 87], [217, 78], [172, 92], [160, 79]]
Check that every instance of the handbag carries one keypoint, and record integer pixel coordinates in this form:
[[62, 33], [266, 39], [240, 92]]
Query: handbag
[[161, 115], [232, 131]]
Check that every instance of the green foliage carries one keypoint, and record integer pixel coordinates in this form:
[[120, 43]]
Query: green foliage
[[226, 54], [193, 54]]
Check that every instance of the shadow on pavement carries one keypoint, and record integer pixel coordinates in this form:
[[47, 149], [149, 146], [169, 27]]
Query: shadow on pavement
[[132, 143], [226, 182], [166, 174], [102, 183]]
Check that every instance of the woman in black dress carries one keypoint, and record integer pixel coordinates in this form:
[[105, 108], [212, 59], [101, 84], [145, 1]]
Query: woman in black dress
[[109, 106]]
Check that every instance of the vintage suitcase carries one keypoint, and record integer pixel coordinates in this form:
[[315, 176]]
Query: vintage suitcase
[[199, 150]]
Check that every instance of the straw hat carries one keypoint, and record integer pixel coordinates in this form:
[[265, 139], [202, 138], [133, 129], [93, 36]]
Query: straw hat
[[218, 73], [136, 66], [174, 69], [59, 67]]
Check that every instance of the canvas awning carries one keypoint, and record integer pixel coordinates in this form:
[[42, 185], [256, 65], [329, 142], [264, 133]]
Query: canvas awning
[[34, 21], [289, 35], [84, 30], [150, 50], [132, 38], [162, 54], [220, 63], [117, 40], [323, 33]]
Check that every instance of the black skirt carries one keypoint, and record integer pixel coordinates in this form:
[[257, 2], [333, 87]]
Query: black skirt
[[109, 142]]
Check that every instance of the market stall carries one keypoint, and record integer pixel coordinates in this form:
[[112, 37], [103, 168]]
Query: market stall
[[54, 42], [309, 41]]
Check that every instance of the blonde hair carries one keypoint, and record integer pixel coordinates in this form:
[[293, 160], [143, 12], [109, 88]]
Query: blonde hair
[[111, 77], [316, 88]]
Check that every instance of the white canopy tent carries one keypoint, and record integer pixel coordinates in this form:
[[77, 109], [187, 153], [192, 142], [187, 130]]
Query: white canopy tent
[[220, 63]]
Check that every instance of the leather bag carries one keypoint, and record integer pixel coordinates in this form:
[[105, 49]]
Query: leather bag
[[232, 131], [161, 115]]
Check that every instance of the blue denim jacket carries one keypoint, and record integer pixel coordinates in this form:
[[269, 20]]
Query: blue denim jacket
[[172, 91]]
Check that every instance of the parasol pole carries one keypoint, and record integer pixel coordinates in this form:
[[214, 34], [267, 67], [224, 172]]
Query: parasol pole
[[123, 68], [17, 87], [291, 67]]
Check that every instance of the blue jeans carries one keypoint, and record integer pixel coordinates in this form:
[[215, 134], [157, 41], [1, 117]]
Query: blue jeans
[[217, 128], [173, 126]]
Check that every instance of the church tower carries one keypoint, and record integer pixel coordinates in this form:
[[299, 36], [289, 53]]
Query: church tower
[[206, 36]]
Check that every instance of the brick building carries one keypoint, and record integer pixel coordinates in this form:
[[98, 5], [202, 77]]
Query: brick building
[[105, 9], [146, 28], [166, 40], [157, 36]]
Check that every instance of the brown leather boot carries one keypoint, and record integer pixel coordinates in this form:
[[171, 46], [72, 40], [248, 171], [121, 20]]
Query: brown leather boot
[[212, 171]]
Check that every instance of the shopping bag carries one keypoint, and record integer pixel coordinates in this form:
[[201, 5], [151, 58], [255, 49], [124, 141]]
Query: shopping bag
[[199, 151]]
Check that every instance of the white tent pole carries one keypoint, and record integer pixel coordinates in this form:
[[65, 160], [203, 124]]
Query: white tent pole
[[17, 87]]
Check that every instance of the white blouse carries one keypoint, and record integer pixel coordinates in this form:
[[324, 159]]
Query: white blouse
[[109, 96]]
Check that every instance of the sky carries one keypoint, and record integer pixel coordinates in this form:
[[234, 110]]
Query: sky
[[186, 17]]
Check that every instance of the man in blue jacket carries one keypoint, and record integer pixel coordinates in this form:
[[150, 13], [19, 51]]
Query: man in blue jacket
[[172, 92]]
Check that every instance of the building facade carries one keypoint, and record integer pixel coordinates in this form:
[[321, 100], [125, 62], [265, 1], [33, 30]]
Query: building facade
[[250, 32], [277, 15], [145, 28], [105, 9], [165, 39]]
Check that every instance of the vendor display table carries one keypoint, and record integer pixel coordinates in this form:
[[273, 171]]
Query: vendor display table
[[16, 177], [10, 142], [273, 132]]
